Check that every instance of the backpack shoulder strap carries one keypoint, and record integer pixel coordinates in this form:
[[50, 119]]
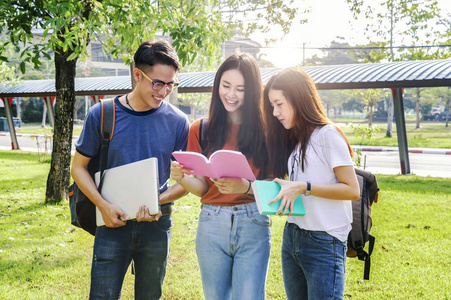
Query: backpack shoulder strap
[[107, 119], [371, 183], [202, 130], [107, 130]]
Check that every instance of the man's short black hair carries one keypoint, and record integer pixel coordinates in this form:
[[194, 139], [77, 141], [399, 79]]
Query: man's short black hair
[[151, 53]]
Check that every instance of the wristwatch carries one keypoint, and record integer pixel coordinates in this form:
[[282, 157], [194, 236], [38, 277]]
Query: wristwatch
[[308, 191]]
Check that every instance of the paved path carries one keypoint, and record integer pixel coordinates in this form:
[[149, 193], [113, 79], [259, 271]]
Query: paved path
[[379, 160], [411, 150]]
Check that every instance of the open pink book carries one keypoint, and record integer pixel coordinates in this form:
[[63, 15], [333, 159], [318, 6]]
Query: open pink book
[[222, 164]]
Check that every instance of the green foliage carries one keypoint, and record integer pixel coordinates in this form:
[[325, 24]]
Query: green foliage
[[33, 110], [7, 73], [42, 254], [68, 26], [244, 16], [362, 132], [353, 105], [199, 102], [394, 22], [121, 26]]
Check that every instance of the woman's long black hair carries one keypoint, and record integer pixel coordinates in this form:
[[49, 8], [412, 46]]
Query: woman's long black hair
[[251, 138]]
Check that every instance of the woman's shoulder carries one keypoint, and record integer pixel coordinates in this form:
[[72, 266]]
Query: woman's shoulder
[[327, 132], [195, 126], [196, 123]]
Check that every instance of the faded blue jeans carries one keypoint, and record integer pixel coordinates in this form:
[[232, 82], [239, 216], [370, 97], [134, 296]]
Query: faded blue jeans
[[233, 245], [147, 243], [313, 264]]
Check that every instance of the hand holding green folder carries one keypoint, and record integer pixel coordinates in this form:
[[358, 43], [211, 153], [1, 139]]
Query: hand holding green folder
[[265, 191]]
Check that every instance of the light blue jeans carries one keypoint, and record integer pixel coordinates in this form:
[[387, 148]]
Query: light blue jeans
[[233, 245], [313, 264]]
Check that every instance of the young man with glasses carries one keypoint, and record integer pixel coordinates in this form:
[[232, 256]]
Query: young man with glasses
[[145, 126]]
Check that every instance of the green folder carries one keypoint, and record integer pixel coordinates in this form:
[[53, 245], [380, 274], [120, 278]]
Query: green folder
[[265, 191]]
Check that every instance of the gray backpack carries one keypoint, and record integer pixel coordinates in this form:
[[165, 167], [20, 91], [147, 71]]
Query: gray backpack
[[362, 222]]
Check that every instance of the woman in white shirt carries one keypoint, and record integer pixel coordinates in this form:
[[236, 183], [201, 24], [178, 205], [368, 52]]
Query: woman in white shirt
[[305, 145]]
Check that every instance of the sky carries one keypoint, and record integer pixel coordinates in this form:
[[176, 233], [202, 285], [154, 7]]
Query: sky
[[327, 20]]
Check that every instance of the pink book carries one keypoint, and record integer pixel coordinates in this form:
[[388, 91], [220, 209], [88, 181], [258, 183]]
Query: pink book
[[222, 164]]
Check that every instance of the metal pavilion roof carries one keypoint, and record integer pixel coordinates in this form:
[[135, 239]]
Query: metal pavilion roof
[[426, 73]]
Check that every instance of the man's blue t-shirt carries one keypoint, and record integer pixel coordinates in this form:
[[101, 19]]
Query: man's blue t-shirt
[[137, 136]]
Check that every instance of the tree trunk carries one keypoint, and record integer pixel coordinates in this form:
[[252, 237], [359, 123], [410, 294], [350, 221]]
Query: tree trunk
[[370, 117], [78, 104], [391, 108], [390, 112], [18, 107], [44, 115], [59, 175]]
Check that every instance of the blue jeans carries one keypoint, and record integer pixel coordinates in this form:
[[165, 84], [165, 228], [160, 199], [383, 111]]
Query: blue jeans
[[147, 243], [313, 264], [233, 245]]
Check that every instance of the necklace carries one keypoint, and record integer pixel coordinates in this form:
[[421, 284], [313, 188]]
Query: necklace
[[128, 103]]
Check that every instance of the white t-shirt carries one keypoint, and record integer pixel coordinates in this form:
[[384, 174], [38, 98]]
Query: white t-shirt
[[326, 150]]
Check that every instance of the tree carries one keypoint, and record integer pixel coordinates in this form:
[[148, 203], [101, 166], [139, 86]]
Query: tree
[[418, 107], [333, 99], [440, 96], [67, 27], [6, 72], [334, 56], [403, 22], [369, 97]]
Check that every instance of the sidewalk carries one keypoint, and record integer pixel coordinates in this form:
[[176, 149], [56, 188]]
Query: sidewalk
[[411, 149], [29, 135], [440, 151]]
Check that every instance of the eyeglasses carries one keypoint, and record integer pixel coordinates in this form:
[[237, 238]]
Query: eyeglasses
[[158, 84]]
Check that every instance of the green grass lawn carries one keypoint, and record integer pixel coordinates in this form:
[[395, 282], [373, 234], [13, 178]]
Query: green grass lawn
[[429, 135], [42, 256]]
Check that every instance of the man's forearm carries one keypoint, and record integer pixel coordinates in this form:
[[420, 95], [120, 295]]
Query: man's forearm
[[173, 193]]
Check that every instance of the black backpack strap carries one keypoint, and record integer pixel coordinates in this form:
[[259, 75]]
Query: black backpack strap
[[107, 131], [202, 130], [366, 272]]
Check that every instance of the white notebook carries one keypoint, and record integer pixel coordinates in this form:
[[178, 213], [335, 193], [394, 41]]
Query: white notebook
[[130, 186]]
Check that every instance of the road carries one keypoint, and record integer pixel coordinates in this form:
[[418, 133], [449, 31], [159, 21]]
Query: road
[[435, 165], [432, 164]]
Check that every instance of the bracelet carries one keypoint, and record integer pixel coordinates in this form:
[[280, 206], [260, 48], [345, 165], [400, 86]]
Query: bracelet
[[249, 188]]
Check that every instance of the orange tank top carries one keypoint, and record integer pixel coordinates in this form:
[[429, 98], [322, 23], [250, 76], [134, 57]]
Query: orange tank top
[[213, 196]]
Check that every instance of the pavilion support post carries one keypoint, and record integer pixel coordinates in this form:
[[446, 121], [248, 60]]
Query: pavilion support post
[[50, 113], [172, 98], [401, 130], [12, 129]]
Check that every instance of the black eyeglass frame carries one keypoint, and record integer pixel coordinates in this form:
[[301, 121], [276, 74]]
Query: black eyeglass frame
[[158, 84]]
